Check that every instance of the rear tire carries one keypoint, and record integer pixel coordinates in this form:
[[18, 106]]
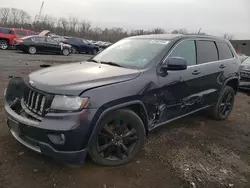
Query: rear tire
[[66, 52], [32, 50], [124, 139], [4, 44], [94, 52], [222, 109]]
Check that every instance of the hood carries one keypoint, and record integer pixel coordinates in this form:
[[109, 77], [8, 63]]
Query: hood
[[74, 78], [245, 67]]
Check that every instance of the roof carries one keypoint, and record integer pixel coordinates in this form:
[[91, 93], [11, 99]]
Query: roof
[[172, 36], [158, 36]]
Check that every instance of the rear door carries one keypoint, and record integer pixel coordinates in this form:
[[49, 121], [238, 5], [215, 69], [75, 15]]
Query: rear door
[[52, 45], [39, 43], [227, 62], [209, 74]]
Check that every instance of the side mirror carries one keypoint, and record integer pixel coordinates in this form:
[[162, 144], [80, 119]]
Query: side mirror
[[174, 64]]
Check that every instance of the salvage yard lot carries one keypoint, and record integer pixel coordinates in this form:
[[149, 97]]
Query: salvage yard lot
[[192, 152]]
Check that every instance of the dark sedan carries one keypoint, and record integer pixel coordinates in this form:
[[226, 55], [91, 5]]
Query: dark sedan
[[245, 74], [81, 45], [34, 44]]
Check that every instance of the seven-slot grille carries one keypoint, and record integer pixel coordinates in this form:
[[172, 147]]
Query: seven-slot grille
[[36, 101]]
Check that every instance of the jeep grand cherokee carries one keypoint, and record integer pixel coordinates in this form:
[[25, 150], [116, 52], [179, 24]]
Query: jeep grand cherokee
[[105, 106]]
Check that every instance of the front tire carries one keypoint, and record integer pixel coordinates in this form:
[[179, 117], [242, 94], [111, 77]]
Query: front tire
[[94, 52], [222, 109], [4, 45], [74, 50], [118, 139]]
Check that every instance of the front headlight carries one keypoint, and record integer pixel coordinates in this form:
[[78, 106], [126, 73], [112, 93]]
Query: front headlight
[[69, 103]]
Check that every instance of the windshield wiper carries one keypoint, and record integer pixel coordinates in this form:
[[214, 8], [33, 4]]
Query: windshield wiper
[[110, 63]]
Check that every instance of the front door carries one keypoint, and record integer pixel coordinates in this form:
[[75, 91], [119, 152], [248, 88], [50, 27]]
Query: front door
[[176, 88]]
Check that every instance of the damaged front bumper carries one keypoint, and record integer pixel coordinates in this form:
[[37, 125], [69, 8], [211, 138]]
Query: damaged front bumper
[[41, 140], [63, 136]]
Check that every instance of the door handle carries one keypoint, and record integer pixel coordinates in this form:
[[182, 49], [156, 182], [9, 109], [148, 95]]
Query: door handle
[[196, 72], [222, 66]]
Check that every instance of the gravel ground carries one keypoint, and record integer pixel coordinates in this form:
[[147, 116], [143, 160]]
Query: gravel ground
[[192, 152]]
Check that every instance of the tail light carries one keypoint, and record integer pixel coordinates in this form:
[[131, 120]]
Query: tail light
[[19, 41]]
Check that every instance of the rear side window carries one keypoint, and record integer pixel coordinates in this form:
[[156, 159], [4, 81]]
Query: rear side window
[[186, 50], [206, 52], [21, 32], [38, 39], [224, 51], [5, 31]]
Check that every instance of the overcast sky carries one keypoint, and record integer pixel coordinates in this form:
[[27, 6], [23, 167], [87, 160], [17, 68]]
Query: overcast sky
[[212, 16]]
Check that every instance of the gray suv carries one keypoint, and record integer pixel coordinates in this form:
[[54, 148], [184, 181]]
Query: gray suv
[[106, 106]]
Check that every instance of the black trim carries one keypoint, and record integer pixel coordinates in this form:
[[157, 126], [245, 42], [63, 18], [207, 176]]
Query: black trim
[[117, 107]]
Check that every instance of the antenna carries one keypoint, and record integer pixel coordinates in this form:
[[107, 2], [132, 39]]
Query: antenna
[[199, 31]]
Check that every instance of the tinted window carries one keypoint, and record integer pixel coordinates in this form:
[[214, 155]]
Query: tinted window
[[186, 50], [21, 32], [38, 39], [51, 41], [206, 52], [224, 51], [5, 31]]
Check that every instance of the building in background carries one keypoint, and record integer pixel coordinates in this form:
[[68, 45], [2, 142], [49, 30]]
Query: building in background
[[241, 46]]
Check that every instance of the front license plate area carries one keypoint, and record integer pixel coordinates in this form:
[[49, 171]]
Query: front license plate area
[[14, 126]]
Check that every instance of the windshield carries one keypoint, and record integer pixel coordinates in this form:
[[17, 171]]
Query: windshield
[[132, 53], [246, 61]]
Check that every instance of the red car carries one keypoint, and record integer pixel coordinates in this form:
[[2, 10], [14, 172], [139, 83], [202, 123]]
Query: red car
[[9, 35]]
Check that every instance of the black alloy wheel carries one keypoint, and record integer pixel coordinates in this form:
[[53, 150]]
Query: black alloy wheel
[[119, 139], [226, 104], [222, 109]]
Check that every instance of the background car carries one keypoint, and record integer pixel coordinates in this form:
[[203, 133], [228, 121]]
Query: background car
[[81, 45], [34, 44], [245, 74], [8, 36]]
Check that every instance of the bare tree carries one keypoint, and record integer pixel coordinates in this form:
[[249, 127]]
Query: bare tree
[[15, 16], [73, 22], [179, 31], [158, 31], [24, 17], [4, 15], [228, 36]]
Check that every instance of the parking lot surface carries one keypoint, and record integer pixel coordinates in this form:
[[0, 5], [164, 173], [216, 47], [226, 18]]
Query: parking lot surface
[[192, 152]]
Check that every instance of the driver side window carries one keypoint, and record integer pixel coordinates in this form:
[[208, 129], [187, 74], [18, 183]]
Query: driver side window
[[186, 50]]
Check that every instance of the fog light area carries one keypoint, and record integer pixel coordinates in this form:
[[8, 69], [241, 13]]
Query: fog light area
[[57, 138]]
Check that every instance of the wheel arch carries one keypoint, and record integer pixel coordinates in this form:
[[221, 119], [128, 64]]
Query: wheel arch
[[136, 106], [232, 82], [8, 40]]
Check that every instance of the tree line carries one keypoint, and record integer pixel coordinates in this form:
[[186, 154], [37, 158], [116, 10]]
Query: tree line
[[72, 26]]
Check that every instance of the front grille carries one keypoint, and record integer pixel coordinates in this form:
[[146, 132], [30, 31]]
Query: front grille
[[245, 76], [37, 101]]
